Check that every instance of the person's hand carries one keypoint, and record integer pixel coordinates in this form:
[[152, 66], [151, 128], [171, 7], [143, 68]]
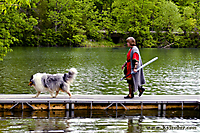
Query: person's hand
[[134, 71], [123, 65]]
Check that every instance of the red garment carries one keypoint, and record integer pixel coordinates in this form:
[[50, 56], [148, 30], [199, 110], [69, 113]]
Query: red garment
[[135, 57]]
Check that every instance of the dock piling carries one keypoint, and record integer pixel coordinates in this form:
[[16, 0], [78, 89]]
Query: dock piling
[[14, 105]]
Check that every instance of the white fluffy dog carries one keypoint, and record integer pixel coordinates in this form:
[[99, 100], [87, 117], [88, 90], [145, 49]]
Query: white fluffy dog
[[43, 82]]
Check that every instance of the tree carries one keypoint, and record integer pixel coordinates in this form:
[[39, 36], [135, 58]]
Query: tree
[[65, 22], [8, 10], [134, 17], [167, 21], [153, 23]]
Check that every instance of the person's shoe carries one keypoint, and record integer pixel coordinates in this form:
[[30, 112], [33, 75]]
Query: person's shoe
[[128, 97], [141, 91]]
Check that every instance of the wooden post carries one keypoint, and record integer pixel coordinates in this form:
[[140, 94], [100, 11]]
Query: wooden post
[[182, 106], [67, 106], [159, 106], [72, 106], [141, 105], [91, 105], [164, 106], [22, 105]]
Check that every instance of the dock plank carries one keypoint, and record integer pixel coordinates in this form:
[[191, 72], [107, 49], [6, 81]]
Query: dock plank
[[7, 101], [119, 98]]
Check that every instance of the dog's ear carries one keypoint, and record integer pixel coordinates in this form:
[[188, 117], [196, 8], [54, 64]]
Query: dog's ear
[[31, 77], [70, 73], [65, 77]]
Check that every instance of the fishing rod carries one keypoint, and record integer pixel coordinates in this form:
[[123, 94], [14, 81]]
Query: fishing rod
[[152, 60]]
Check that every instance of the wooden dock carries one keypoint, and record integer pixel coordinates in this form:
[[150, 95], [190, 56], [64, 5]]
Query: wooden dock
[[98, 102]]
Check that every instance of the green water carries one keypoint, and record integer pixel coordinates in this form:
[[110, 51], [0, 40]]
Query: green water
[[176, 72], [133, 121]]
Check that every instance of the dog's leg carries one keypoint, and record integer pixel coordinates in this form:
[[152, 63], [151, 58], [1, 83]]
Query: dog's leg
[[68, 92], [38, 93], [56, 93], [66, 88], [70, 95], [51, 92]]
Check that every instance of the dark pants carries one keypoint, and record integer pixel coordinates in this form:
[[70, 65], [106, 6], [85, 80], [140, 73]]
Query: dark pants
[[131, 84]]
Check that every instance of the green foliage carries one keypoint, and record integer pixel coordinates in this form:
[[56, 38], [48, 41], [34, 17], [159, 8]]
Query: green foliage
[[167, 17], [153, 23], [14, 25]]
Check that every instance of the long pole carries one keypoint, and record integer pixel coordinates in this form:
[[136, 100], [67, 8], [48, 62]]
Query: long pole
[[152, 60]]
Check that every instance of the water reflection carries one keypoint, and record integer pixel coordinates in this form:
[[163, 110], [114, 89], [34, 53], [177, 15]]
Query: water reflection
[[98, 120]]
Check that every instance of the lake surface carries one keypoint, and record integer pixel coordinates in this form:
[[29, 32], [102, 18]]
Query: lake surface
[[176, 72]]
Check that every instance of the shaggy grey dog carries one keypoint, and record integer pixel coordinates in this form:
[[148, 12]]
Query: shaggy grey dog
[[43, 82]]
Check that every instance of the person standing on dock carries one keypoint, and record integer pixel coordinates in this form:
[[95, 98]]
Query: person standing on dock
[[136, 79]]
